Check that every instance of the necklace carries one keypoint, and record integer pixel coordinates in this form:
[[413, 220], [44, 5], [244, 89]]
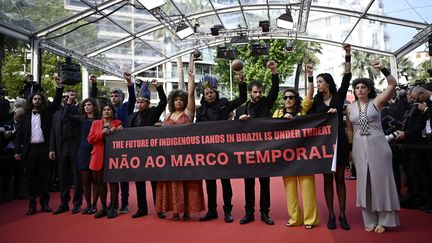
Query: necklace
[[363, 119]]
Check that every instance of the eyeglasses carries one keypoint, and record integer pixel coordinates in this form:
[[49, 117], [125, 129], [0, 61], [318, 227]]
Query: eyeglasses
[[289, 97]]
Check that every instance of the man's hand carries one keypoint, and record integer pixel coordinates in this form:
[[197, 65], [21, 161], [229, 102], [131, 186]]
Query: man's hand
[[51, 155], [240, 76], [17, 156], [58, 81], [93, 78], [244, 117], [128, 77], [155, 83], [421, 106], [272, 66], [332, 111], [401, 136]]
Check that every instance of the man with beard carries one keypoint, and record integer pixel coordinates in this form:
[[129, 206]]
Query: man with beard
[[32, 145], [122, 112], [214, 108], [259, 106], [146, 116]]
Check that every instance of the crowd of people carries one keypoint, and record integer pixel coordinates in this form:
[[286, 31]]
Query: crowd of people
[[72, 133]]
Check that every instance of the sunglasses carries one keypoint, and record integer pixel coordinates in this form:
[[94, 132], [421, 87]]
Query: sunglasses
[[289, 97]]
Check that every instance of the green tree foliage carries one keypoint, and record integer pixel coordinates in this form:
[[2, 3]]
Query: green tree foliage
[[422, 70], [405, 68]]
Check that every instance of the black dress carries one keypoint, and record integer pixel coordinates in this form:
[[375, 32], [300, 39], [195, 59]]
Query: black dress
[[337, 102]]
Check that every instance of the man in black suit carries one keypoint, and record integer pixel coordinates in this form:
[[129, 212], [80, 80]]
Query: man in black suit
[[146, 116], [259, 106], [32, 145], [214, 108], [64, 143]]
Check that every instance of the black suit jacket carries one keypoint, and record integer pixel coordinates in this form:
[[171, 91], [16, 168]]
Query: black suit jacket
[[23, 135]]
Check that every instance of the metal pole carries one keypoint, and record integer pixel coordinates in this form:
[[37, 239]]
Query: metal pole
[[231, 89]]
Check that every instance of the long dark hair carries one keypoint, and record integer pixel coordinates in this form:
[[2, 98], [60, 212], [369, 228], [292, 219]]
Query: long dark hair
[[369, 83], [173, 95], [95, 103], [29, 106], [298, 101], [111, 106]]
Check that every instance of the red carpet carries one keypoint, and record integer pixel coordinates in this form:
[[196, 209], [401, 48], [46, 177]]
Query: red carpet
[[15, 226]]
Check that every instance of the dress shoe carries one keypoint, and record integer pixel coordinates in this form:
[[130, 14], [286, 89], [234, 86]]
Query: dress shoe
[[102, 213], [428, 210], [266, 219], [46, 208], [31, 211], [139, 213], [76, 209], [344, 223], [86, 210], [61, 209], [92, 210], [112, 212], [227, 213], [331, 224], [249, 217], [124, 208], [211, 214]]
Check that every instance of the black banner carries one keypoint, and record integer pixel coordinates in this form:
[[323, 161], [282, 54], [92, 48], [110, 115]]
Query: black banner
[[223, 149]]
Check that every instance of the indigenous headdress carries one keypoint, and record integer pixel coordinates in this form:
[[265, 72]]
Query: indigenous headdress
[[208, 82], [144, 92]]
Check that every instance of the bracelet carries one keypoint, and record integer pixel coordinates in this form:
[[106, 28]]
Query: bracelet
[[310, 79], [425, 109], [348, 58], [386, 72]]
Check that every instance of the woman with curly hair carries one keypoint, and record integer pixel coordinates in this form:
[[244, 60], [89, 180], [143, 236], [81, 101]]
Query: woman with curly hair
[[180, 196]]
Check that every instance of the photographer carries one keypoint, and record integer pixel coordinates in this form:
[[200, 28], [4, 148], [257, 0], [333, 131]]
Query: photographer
[[411, 137], [423, 98]]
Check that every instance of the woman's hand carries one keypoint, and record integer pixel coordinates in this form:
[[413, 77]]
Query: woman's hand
[[288, 116], [332, 111], [377, 65], [244, 117]]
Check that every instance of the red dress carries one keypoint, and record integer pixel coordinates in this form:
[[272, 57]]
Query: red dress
[[179, 196], [96, 138]]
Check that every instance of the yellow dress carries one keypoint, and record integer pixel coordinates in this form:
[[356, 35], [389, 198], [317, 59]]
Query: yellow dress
[[307, 187]]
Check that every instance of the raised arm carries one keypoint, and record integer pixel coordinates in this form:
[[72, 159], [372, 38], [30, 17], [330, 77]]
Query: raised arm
[[386, 95], [131, 91], [274, 89], [94, 88], [234, 104], [310, 91], [191, 91], [162, 97], [58, 95], [342, 91]]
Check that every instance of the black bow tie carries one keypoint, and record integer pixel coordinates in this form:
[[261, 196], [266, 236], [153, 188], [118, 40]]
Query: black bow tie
[[36, 112]]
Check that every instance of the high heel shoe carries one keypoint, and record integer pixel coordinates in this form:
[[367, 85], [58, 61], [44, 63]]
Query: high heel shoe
[[344, 223], [331, 224]]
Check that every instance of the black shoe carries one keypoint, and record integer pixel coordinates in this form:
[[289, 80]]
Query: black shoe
[[86, 209], [124, 208], [92, 210], [161, 215], [76, 209], [428, 210], [266, 219], [249, 217], [228, 217], [46, 208], [331, 224], [186, 216], [139, 213], [112, 213], [31, 211], [61, 209], [211, 214], [102, 213], [344, 223]]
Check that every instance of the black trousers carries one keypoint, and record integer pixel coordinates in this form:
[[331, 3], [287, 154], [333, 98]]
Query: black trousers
[[264, 194], [212, 191], [142, 194], [37, 170], [69, 175], [124, 187]]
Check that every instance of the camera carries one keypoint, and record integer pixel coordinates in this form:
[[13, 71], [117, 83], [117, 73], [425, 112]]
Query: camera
[[392, 136]]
